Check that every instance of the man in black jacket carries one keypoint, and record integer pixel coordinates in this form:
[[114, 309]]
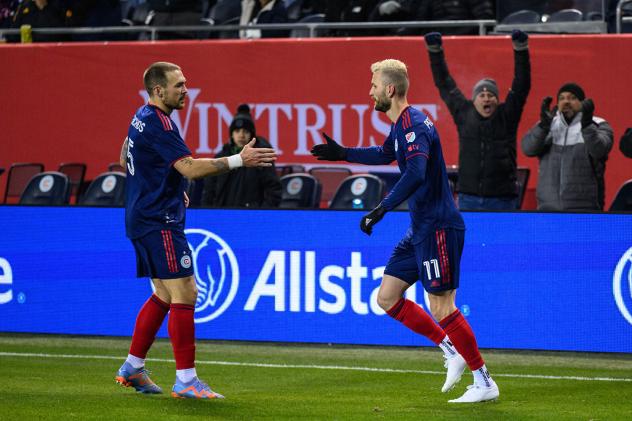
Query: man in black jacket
[[487, 128], [244, 187]]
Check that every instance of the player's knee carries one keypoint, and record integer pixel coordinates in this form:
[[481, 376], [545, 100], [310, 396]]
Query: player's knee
[[385, 301]]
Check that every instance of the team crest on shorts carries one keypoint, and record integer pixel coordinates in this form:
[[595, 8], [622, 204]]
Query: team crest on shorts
[[186, 261]]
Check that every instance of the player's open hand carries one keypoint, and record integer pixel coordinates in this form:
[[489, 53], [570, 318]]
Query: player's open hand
[[372, 218], [330, 151], [257, 157]]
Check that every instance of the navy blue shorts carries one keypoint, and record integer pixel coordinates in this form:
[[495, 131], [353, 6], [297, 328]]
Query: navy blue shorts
[[163, 254], [435, 260]]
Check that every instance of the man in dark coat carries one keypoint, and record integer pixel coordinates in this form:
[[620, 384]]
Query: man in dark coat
[[243, 187], [487, 128]]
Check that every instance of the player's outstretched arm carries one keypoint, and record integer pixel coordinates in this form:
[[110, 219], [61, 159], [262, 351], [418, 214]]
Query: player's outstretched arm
[[329, 151], [249, 156]]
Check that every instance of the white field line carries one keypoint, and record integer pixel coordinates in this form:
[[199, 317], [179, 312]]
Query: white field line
[[317, 367]]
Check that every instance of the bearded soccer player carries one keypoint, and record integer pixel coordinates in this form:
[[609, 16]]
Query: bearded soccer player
[[431, 249], [157, 162]]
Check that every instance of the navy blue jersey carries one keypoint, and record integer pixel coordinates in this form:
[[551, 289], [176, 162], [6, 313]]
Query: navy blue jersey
[[155, 189], [414, 142]]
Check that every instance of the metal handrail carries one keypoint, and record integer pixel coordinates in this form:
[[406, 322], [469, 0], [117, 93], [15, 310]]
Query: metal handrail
[[619, 14], [313, 27]]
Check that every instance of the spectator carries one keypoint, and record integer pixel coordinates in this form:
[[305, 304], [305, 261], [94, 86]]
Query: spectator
[[572, 146], [625, 144], [175, 13], [456, 10], [39, 14], [487, 129], [7, 10], [261, 12], [392, 11], [243, 187], [94, 13], [350, 11]]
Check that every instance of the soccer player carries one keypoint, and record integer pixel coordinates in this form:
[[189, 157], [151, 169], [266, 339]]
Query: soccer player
[[157, 162], [431, 249]]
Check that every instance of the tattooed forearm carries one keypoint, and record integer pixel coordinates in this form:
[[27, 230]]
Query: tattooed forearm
[[123, 156], [188, 161], [220, 165]]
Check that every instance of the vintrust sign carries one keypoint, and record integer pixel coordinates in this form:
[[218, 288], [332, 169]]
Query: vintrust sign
[[293, 128]]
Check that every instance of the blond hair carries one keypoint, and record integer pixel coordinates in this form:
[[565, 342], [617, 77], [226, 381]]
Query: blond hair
[[393, 72]]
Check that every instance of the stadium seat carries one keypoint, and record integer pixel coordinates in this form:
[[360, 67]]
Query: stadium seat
[[282, 170], [300, 191], [363, 191], [330, 178], [107, 189], [75, 172], [566, 15], [18, 177], [622, 201], [115, 166], [389, 178], [304, 32], [47, 189], [521, 16]]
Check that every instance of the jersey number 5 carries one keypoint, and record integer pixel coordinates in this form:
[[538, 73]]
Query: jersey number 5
[[130, 157]]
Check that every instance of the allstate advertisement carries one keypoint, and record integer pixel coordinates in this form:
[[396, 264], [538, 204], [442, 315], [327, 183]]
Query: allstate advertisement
[[528, 280]]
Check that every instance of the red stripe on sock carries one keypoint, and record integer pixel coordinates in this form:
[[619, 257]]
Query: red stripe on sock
[[148, 321], [462, 336], [417, 320], [181, 329]]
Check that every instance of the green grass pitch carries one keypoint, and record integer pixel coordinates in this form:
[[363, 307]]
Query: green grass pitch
[[61, 377]]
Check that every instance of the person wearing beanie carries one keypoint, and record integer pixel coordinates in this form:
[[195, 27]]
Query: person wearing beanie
[[572, 145], [243, 187], [487, 128]]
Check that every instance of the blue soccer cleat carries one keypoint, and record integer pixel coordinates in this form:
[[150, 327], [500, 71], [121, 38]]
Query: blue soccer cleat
[[138, 378], [195, 389]]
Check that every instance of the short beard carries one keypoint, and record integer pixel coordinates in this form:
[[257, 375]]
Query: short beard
[[383, 105]]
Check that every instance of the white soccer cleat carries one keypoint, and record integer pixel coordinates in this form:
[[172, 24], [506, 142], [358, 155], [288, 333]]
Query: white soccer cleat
[[455, 365], [476, 393]]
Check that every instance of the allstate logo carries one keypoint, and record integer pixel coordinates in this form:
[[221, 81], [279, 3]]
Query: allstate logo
[[622, 284], [216, 273]]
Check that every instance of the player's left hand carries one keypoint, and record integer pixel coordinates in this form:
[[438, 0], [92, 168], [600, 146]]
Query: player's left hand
[[372, 218], [186, 200]]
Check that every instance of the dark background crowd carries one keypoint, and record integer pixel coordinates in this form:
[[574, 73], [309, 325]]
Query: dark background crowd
[[101, 13]]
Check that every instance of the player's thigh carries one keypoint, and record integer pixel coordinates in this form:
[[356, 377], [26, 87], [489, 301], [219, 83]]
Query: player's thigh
[[439, 259], [391, 290], [180, 290], [163, 254], [403, 264]]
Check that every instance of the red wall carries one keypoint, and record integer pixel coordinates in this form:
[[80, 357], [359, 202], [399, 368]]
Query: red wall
[[74, 102]]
